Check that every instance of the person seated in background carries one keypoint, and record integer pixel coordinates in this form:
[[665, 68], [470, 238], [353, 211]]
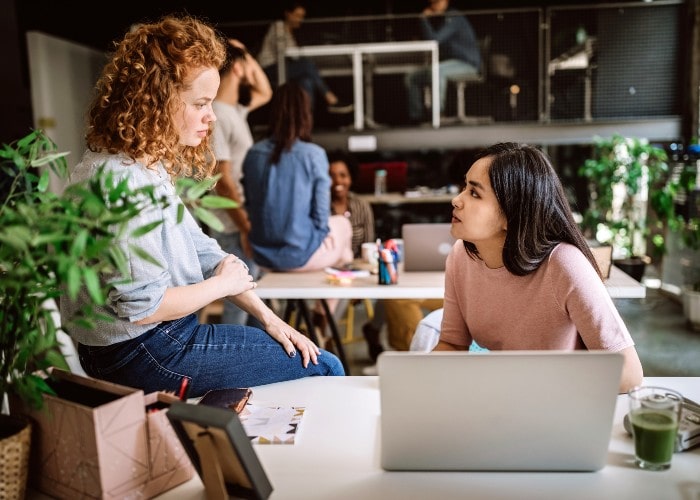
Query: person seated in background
[[288, 193], [401, 315], [231, 139], [427, 334], [299, 69], [402, 318], [521, 275], [459, 54], [343, 169]]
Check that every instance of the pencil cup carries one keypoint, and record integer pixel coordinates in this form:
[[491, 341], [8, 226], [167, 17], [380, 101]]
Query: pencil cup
[[370, 255], [388, 268]]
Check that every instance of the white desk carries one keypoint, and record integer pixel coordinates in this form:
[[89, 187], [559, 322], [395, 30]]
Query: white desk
[[337, 456], [398, 199], [314, 285], [298, 287], [424, 285], [357, 51]]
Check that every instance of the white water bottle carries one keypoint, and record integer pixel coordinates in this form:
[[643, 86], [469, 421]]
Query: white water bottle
[[379, 182]]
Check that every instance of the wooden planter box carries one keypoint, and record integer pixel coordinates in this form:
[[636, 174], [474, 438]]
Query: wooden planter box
[[102, 440]]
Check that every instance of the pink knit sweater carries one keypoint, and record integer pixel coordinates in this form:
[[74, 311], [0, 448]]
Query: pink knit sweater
[[562, 305]]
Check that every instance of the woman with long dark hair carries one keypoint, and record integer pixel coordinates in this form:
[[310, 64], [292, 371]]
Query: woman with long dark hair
[[288, 189], [521, 275]]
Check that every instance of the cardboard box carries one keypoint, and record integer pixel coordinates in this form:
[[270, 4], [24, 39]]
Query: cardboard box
[[101, 440]]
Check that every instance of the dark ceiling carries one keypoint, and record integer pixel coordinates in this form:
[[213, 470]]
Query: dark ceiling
[[79, 21]]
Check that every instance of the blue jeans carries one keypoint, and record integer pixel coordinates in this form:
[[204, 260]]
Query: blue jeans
[[303, 71], [234, 315], [211, 356], [415, 83]]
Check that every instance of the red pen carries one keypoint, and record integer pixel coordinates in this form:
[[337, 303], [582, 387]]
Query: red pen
[[184, 389]]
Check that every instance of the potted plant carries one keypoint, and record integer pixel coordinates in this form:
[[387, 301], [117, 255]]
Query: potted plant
[[683, 215], [627, 180], [51, 245]]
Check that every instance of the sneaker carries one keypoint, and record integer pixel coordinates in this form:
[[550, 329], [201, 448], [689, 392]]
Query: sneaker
[[340, 108], [370, 370]]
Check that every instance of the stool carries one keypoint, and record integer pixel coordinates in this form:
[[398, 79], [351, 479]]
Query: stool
[[462, 82]]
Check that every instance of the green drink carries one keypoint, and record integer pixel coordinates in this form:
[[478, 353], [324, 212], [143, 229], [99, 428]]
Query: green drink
[[654, 433]]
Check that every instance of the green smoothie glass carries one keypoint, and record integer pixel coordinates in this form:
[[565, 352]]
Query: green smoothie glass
[[654, 415]]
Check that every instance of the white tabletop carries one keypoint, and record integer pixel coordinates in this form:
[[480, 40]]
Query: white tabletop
[[364, 48], [337, 456], [398, 199], [412, 285], [356, 51]]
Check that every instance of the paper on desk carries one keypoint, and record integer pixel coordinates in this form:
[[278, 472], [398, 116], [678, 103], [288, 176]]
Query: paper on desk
[[271, 424]]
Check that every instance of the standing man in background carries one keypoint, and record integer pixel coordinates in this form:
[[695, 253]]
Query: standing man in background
[[459, 54], [231, 140]]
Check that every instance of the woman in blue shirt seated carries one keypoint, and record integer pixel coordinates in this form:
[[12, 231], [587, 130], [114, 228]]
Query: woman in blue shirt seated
[[288, 191]]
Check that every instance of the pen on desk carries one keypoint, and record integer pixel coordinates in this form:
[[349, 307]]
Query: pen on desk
[[184, 389]]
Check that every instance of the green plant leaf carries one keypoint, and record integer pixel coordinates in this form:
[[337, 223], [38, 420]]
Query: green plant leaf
[[180, 213], [208, 218], [92, 283], [218, 202], [143, 255], [145, 229], [73, 280]]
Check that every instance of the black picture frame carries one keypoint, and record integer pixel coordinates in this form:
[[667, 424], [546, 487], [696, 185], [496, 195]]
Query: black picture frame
[[220, 451]]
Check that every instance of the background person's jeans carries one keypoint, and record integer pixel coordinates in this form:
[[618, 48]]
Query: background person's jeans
[[415, 83], [212, 356], [303, 71], [234, 315]]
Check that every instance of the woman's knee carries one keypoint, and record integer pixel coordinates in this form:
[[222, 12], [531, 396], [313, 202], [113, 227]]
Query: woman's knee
[[332, 365]]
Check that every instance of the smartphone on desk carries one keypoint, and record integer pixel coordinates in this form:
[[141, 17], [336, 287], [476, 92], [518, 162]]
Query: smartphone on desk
[[234, 398]]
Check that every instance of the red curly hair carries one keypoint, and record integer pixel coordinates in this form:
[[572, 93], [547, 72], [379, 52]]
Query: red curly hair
[[138, 92]]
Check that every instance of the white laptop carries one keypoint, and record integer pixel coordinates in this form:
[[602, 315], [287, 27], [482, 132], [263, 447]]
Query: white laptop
[[497, 411], [425, 246]]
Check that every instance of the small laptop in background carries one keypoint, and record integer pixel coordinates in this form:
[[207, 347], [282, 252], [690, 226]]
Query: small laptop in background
[[426, 245], [497, 411]]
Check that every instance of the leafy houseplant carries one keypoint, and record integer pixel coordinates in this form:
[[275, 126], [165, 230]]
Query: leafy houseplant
[[627, 180], [684, 189], [52, 245]]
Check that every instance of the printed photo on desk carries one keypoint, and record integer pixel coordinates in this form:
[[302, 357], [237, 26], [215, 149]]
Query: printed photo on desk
[[267, 423]]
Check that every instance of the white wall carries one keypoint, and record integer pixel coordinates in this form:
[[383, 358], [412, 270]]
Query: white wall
[[62, 76]]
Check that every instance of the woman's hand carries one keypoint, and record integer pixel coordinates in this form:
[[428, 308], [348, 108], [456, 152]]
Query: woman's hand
[[293, 342], [233, 276]]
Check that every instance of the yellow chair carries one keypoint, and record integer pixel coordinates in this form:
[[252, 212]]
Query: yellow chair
[[349, 320]]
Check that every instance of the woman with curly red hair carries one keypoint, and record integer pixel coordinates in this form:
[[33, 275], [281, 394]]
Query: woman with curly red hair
[[150, 123]]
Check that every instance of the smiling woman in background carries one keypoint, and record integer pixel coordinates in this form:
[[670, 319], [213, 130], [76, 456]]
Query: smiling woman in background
[[521, 275]]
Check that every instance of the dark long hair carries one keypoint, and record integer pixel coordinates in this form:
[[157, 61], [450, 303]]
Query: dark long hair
[[535, 206], [290, 118]]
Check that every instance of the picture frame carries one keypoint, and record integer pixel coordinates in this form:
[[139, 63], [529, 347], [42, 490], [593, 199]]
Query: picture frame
[[220, 451]]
